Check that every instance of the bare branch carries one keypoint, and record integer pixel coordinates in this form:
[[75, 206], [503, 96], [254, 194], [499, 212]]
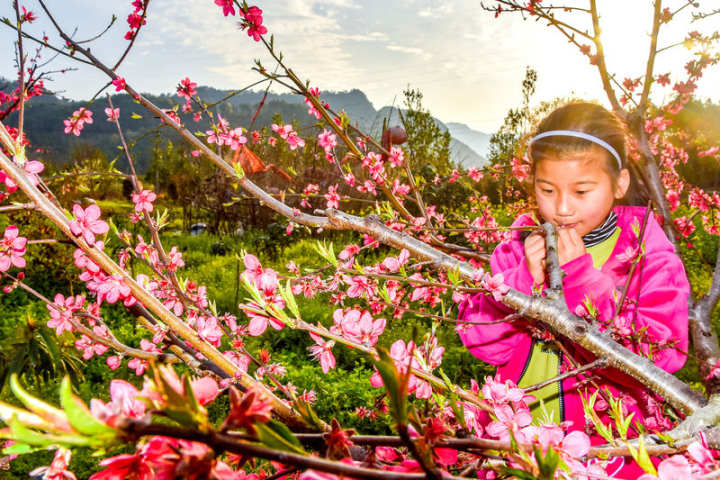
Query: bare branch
[[642, 105]]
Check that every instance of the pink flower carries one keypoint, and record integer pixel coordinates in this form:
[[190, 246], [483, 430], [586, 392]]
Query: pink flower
[[235, 138], [323, 351], [208, 329], [124, 401], [673, 199], [57, 469], [475, 174], [227, 6], [671, 468], [12, 248], [113, 362], [349, 252], [61, 312], [119, 84], [27, 16], [253, 22], [360, 327], [175, 260], [143, 201], [124, 467], [90, 349], [495, 285], [709, 152], [294, 141], [332, 197], [187, 88], [327, 140], [259, 321], [359, 286], [77, 121], [87, 223], [253, 268], [110, 288], [508, 419], [397, 156], [112, 114], [499, 393], [576, 444]]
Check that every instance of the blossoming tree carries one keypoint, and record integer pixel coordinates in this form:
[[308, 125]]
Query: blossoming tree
[[462, 428]]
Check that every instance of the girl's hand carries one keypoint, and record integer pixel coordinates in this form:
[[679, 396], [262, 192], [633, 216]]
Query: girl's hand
[[535, 256], [570, 245]]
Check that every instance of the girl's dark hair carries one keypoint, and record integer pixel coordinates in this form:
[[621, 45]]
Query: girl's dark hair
[[594, 120]]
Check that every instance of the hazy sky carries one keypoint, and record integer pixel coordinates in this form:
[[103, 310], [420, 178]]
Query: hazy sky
[[468, 64]]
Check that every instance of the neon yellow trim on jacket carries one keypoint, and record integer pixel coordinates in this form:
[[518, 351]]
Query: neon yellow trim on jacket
[[544, 360]]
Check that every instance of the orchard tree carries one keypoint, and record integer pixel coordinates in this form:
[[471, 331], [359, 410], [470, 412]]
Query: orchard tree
[[447, 430]]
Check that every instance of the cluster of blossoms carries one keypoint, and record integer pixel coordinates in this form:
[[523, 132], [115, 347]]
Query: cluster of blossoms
[[315, 92], [310, 189], [143, 201], [287, 133], [425, 357], [187, 89], [12, 249], [223, 135], [266, 281], [77, 121], [136, 19], [9, 102], [252, 18], [328, 141]]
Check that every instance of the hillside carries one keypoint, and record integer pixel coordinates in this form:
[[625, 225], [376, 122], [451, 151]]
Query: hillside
[[44, 119]]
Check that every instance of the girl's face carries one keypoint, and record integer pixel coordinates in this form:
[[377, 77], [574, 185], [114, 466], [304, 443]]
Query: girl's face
[[575, 191]]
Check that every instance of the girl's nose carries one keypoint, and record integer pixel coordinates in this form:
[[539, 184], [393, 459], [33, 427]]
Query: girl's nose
[[564, 206]]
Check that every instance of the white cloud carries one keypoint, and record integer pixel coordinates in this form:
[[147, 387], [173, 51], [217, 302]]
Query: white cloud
[[410, 50]]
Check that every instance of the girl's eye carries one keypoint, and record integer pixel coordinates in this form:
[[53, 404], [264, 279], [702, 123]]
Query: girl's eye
[[581, 192], [546, 191]]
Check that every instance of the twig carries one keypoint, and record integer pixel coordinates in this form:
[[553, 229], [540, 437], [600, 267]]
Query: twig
[[636, 260], [599, 363]]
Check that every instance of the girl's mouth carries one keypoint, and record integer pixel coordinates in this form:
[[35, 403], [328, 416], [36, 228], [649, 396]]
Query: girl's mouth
[[567, 225]]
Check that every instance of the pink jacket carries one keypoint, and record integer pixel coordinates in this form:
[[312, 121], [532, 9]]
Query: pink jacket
[[662, 307]]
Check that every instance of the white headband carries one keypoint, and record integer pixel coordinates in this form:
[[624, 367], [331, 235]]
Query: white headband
[[583, 135]]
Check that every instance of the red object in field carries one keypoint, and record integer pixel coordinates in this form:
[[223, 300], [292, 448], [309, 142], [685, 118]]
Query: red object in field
[[251, 163], [394, 136]]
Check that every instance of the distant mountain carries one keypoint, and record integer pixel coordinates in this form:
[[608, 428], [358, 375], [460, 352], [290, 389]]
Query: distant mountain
[[478, 141], [44, 118]]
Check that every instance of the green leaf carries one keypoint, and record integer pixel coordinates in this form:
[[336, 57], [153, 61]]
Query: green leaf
[[547, 464], [53, 415], [276, 435], [7, 412], [181, 407], [589, 406], [641, 456], [289, 298], [135, 116], [308, 414], [20, 449], [395, 384], [78, 414], [519, 474], [239, 172], [20, 433]]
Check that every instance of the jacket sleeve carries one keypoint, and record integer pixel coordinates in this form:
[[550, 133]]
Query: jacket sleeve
[[660, 288], [496, 343]]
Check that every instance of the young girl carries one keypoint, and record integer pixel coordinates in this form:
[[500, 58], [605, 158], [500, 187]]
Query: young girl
[[580, 181]]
